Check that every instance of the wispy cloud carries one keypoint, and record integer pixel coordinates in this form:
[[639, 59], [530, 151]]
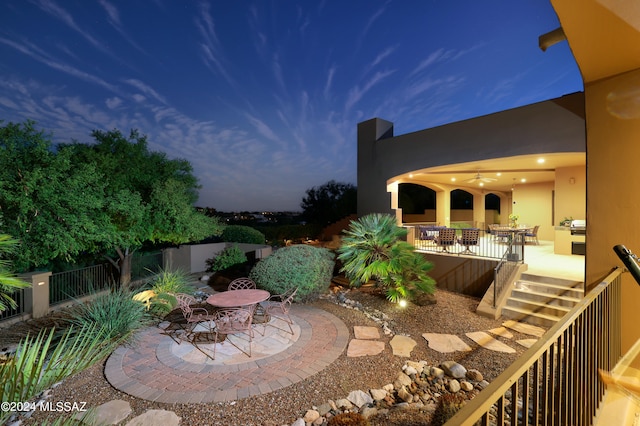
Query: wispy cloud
[[52, 8], [329, 82], [40, 55], [211, 50], [113, 17], [263, 129], [356, 93], [146, 89]]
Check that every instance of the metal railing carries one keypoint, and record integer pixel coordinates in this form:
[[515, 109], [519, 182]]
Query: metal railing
[[144, 265], [555, 382], [18, 297], [68, 285], [489, 245], [504, 270]]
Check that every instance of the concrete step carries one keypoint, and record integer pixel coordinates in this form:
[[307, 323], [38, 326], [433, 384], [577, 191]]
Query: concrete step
[[539, 307], [546, 298], [561, 282], [529, 316]]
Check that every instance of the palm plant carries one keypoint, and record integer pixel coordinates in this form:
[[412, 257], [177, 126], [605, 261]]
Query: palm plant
[[373, 249], [9, 283]]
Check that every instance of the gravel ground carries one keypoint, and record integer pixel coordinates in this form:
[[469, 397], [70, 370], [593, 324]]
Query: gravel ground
[[452, 314]]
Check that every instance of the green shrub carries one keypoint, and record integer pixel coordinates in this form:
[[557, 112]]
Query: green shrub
[[225, 259], [242, 234], [306, 267], [166, 281], [116, 312]]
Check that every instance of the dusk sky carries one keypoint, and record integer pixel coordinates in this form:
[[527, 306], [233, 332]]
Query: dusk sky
[[263, 97]]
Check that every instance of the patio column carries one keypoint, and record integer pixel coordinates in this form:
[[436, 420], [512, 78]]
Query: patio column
[[443, 207], [479, 214]]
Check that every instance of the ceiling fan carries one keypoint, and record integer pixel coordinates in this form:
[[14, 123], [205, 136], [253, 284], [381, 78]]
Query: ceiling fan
[[479, 178]]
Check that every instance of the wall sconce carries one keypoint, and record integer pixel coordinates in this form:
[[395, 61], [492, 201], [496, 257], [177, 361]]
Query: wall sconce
[[572, 181]]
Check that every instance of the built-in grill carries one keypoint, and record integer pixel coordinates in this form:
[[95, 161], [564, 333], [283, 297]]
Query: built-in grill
[[578, 227]]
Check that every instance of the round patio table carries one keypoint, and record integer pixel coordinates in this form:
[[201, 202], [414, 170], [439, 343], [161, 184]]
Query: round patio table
[[235, 298]]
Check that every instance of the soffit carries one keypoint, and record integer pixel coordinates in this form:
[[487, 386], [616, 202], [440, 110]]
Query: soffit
[[604, 35], [511, 172]]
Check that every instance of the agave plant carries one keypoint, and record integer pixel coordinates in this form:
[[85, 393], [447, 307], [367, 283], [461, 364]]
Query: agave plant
[[37, 364], [373, 249]]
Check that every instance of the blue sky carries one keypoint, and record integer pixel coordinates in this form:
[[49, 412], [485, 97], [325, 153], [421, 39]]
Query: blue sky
[[263, 97]]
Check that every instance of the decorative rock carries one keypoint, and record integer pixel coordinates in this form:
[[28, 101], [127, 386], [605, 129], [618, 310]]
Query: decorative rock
[[369, 412], [155, 417], [324, 408], [410, 371], [344, 404], [402, 345], [378, 394], [466, 386], [311, 416], [483, 384], [486, 341], [419, 366], [205, 278], [453, 369], [319, 421], [454, 386], [299, 422], [333, 405], [446, 342], [474, 375], [359, 398], [436, 372], [388, 387], [402, 380], [405, 395]]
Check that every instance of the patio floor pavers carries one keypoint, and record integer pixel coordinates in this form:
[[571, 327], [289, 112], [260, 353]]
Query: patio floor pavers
[[322, 338]]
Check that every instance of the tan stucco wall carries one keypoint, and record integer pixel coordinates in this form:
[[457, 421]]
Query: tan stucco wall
[[534, 204], [571, 191], [613, 174]]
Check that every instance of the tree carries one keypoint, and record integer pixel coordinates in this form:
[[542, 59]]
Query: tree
[[326, 204], [373, 249], [107, 197]]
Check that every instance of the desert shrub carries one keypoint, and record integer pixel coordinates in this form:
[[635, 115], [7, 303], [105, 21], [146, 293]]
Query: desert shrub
[[116, 312], [306, 267], [448, 406], [39, 362], [348, 419], [158, 295], [242, 234], [225, 259]]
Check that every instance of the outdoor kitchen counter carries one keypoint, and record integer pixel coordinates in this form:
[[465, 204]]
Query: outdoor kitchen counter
[[563, 240]]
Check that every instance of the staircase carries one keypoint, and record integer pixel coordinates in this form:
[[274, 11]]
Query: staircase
[[542, 300]]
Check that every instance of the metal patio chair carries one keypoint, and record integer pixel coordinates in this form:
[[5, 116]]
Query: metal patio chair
[[470, 237], [446, 238], [232, 321], [241, 284], [278, 307]]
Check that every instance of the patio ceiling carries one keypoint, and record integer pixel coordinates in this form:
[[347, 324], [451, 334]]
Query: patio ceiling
[[507, 171]]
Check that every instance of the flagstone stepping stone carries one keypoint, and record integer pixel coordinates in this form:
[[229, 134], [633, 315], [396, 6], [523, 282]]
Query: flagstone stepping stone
[[502, 332], [363, 332], [446, 342], [359, 347], [155, 417], [524, 328], [402, 345], [109, 413], [486, 341], [527, 343]]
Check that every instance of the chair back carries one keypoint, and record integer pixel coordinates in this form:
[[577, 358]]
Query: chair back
[[241, 284], [470, 236], [184, 303], [233, 320], [446, 236], [286, 299]]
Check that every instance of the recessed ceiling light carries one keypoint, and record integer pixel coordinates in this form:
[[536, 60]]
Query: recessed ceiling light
[[498, 174], [523, 180], [540, 160], [453, 179], [481, 184], [410, 175]]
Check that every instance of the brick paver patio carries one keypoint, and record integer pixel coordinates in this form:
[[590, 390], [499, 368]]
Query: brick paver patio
[[148, 369]]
